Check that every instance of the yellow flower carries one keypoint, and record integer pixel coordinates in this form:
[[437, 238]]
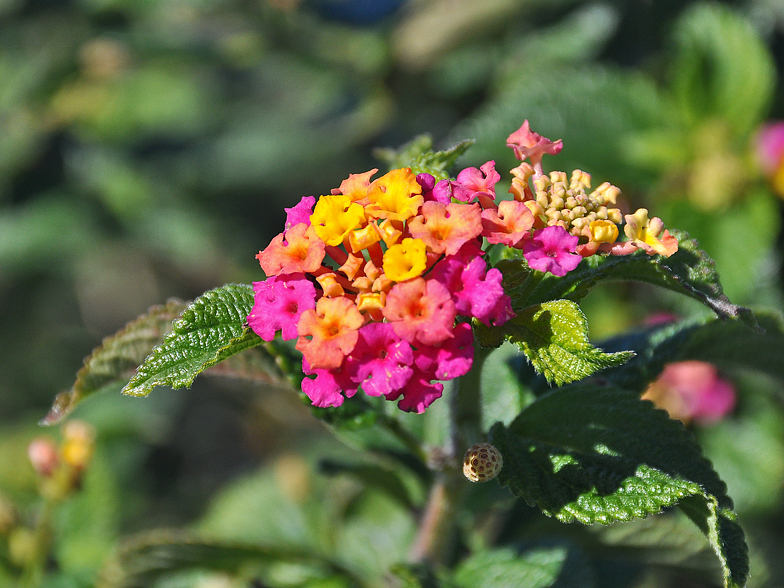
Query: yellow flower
[[405, 260], [334, 216], [396, 195], [603, 231]]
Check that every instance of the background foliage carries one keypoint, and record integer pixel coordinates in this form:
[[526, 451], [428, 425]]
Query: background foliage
[[147, 149]]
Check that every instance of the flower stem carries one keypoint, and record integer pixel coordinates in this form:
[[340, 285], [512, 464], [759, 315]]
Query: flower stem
[[437, 528]]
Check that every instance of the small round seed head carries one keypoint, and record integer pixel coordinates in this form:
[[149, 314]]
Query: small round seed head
[[482, 462]]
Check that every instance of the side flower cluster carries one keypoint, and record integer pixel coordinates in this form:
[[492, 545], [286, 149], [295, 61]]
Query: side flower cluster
[[378, 281]]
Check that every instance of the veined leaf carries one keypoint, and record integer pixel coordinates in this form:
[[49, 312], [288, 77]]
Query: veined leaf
[[210, 330], [116, 358], [690, 272], [554, 337], [152, 556], [418, 155], [600, 454]]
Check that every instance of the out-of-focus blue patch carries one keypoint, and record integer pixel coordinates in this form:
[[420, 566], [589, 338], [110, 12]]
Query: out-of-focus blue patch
[[357, 12]]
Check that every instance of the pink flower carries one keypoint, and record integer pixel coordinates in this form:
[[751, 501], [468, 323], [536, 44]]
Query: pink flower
[[381, 361], [527, 144], [770, 147], [300, 213], [474, 183], [476, 291], [279, 301], [418, 394], [552, 250], [692, 390], [452, 359], [328, 387]]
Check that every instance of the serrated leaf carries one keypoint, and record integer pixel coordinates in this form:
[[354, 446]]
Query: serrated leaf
[[690, 271], [114, 361], [151, 556], [211, 329], [554, 337], [539, 567], [418, 155], [600, 454]]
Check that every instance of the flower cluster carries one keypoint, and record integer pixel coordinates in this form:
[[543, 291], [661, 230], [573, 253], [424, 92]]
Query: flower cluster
[[379, 281]]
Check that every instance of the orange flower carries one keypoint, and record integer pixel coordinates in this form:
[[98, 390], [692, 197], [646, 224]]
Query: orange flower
[[329, 333]]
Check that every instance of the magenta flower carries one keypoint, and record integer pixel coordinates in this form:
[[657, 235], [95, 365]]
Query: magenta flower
[[328, 387], [418, 394], [452, 359], [279, 302], [301, 212], [381, 361], [552, 250]]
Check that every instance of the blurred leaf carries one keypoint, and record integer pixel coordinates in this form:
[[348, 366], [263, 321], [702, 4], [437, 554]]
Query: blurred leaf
[[600, 454], [211, 329], [418, 155], [151, 556], [537, 567], [372, 476], [554, 337], [732, 346], [690, 271], [116, 359], [722, 68], [503, 395]]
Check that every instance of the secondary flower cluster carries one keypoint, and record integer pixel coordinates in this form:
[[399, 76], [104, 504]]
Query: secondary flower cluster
[[379, 280]]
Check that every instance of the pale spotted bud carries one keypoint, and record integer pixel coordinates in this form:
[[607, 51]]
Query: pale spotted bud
[[482, 462]]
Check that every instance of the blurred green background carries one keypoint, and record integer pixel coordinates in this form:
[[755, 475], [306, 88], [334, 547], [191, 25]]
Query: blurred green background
[[148, 148]]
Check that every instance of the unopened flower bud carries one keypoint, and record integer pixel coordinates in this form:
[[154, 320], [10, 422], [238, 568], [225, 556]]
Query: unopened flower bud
[[482, 462], [43, 455]]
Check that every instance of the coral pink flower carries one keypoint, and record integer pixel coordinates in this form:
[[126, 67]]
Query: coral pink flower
[[381, 361], [356, 186], [421, 311], [279, 301], [296, 250], [445, 228], [552, 250], [527, 144], [692, 390], [509, 224], [329, 333]]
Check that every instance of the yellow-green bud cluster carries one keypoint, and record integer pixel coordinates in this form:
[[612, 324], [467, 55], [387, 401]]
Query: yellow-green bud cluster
[[566, 203]]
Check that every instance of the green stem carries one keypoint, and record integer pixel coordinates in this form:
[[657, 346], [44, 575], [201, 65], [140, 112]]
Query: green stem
[[437, 529], [41, 544]]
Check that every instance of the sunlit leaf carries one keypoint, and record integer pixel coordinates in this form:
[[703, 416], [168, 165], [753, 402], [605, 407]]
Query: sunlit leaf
[[554, 337]]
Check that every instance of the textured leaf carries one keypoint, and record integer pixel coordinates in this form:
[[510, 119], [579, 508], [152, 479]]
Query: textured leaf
[[554, 337], [600, 454], [151, 556], [542, 567], [114, 361], [418, 155], [210, 330], [690, 272]]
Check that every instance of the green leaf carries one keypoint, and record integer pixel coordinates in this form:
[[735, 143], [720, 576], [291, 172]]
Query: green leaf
[[418, 155], [540, 567], [113, 362], [690, 271], [211, 329], [554, 337], [152, 556], [731, 345], [600, 454], [723, 69]]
